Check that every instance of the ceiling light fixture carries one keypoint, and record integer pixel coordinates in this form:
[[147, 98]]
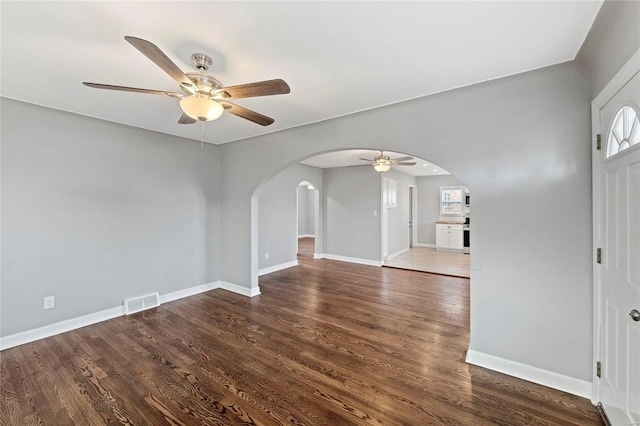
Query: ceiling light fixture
[[382, 167], [202, 108]]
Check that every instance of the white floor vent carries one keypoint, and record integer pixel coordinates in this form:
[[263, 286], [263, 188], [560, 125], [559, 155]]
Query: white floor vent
[[137, 304]]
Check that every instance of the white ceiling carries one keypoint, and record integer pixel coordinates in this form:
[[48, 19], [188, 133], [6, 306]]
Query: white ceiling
[[352, 157], [338, 57]]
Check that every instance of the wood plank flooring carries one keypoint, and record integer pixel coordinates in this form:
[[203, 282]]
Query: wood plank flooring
[[327, 343], [428, 259]]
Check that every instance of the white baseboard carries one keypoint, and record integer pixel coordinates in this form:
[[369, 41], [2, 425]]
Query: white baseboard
[[239, 289], [351, 259], [32, 335], [307, 236], [318, 256], [275, 268], [529, 373], [450, 250], [191, 291], [398, 253], [424, 245]]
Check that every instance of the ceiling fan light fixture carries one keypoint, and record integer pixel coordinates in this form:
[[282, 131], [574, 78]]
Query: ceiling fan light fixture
[[202, 108], [382, 167]]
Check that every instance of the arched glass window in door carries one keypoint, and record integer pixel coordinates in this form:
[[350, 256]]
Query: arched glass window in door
[[624, 132]]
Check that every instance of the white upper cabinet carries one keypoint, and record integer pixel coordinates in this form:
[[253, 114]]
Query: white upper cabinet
[[390, 192]]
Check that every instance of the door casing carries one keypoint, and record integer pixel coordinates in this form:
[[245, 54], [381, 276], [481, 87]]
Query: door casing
[[617, 82]]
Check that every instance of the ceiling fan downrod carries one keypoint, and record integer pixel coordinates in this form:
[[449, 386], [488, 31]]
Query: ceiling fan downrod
[[201, 61]]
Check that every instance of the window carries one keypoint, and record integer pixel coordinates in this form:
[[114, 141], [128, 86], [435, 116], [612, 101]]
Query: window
[[451, 200], [624, 132]]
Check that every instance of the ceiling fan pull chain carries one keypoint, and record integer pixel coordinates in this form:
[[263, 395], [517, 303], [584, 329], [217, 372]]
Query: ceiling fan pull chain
[[202, 139]]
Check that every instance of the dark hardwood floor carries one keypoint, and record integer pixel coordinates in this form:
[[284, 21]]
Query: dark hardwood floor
[[327, 343]]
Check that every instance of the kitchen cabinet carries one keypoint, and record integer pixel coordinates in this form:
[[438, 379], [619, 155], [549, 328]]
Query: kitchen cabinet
[[449, 237]]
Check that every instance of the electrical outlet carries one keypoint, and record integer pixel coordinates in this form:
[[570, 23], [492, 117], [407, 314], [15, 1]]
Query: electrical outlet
[[49, 302], [266, 256]]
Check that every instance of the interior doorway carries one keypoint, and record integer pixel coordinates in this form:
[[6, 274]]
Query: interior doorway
[[307, 212], [423, 216]]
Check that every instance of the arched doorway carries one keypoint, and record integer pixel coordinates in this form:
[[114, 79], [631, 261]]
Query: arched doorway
[[275, 219], [355, 222]]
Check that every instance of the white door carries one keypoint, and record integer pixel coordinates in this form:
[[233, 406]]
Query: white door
[[619, 272]]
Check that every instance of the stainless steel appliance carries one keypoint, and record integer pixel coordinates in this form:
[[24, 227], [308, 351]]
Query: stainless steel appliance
[[466, 234]]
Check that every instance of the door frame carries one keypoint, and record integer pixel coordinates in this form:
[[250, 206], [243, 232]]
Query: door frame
[[631, 68], [413, 214]]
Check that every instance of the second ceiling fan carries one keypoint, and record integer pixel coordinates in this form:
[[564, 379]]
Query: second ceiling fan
[[382, 163], [202, 97]]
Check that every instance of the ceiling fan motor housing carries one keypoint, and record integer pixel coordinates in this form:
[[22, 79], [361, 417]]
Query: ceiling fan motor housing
[[383, 159], [205, 83]]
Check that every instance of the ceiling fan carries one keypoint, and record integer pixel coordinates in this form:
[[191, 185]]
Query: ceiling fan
[[382, 163], [203, 98]]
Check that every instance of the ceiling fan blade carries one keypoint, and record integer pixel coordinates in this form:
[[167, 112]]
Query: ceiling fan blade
[[250, 90], [366, 159], [402, 163], [185, 119], [407, 158], [133, 89], [156, 55], [247, 114], [362, 165]]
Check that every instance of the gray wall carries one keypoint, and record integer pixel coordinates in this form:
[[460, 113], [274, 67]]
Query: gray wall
[[398, 217], [94, 212], [614, 37], [350, 197], [524, 152], [429, 205], [277, 211]]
